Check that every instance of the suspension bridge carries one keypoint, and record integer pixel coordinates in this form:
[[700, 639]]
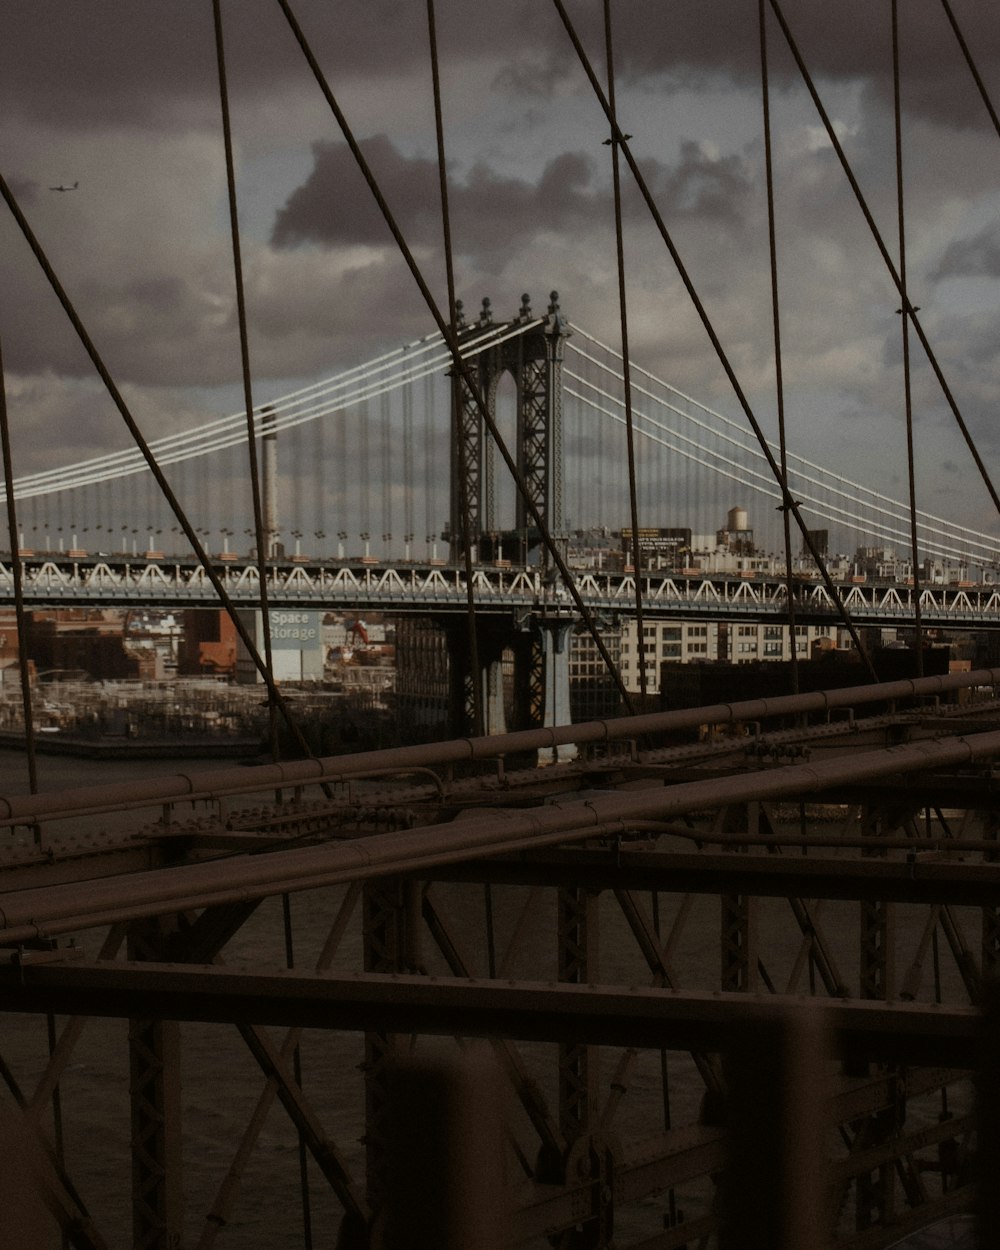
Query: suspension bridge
[[355, 460], [711, 977], [362, 452]]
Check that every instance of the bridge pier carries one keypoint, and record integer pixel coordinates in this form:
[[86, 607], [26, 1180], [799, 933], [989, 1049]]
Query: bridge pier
[[555, 664], [523, 676]]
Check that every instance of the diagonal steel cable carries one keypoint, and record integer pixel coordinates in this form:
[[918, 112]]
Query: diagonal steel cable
[[626, 371], [977, 77], [241, 312], [776, 324], [905, 327], [460, 365], [154, 467], [907, 308], [716, 342], [479, 720], [18, 573]]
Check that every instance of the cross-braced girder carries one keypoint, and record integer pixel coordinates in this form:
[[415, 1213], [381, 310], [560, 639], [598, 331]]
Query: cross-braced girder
[[533, 357], [540, 950]]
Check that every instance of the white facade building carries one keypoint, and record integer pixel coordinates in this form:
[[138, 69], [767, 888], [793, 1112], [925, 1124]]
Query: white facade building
[[687, 642]]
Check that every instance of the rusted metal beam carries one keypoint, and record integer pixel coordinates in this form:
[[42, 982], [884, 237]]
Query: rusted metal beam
[[962, 882], [34, 1189], [27, 914], [154, 793], [695, 1020]]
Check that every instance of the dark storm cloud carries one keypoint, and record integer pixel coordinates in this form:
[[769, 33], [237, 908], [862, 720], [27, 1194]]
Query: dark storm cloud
[[147, 63], [700, 186], [334, 208], [976, 257], [77, 65], [691, 40]]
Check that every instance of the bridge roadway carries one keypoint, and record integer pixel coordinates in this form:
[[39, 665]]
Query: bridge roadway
[[56, 580]]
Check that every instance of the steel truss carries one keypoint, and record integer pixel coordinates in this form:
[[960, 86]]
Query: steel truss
[[533, 357], [611, 946], [53, 579]]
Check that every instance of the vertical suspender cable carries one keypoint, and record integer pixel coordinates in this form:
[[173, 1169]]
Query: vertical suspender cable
[[258, 516], [972, 66], [907, 393], [908, 309], [409, 485], [364, 477], [262, 544], [18, 572], [460, 365], [429, 458], [601, 494], [386, 473], [297, 438], [709, 328], [626, 373], [340, 451], [319, 480], [776, 320], [456, 391], [29, 724]]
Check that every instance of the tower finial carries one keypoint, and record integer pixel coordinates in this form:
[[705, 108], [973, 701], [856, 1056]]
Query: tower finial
[[525, 310], [486, 315]]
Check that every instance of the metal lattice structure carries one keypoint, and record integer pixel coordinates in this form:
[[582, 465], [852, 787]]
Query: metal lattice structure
[[534, 358], [613, 926]]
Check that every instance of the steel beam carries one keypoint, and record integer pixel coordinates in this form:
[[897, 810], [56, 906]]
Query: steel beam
[[960, 881], [645, 1017], [25, 915], [28, 809]]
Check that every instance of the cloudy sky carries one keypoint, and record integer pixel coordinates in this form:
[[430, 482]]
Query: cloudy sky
[[122, 96]]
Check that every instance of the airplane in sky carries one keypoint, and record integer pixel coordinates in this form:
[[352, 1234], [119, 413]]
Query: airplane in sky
[[62, 188]]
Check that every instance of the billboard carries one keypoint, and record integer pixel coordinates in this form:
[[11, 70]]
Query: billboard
[[294, 629], [658, 541]]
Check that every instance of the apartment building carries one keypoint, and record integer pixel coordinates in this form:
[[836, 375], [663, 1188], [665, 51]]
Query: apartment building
[[684, 642], [689, 642]]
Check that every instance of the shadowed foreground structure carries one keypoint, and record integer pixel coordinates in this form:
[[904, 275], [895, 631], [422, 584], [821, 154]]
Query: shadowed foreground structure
[[674, 889]]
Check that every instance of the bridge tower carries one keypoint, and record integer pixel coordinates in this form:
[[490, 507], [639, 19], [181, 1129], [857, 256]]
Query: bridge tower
[[528, 656], [534, 359]]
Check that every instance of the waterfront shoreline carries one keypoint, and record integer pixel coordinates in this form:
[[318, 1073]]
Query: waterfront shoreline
[[122, 748]]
